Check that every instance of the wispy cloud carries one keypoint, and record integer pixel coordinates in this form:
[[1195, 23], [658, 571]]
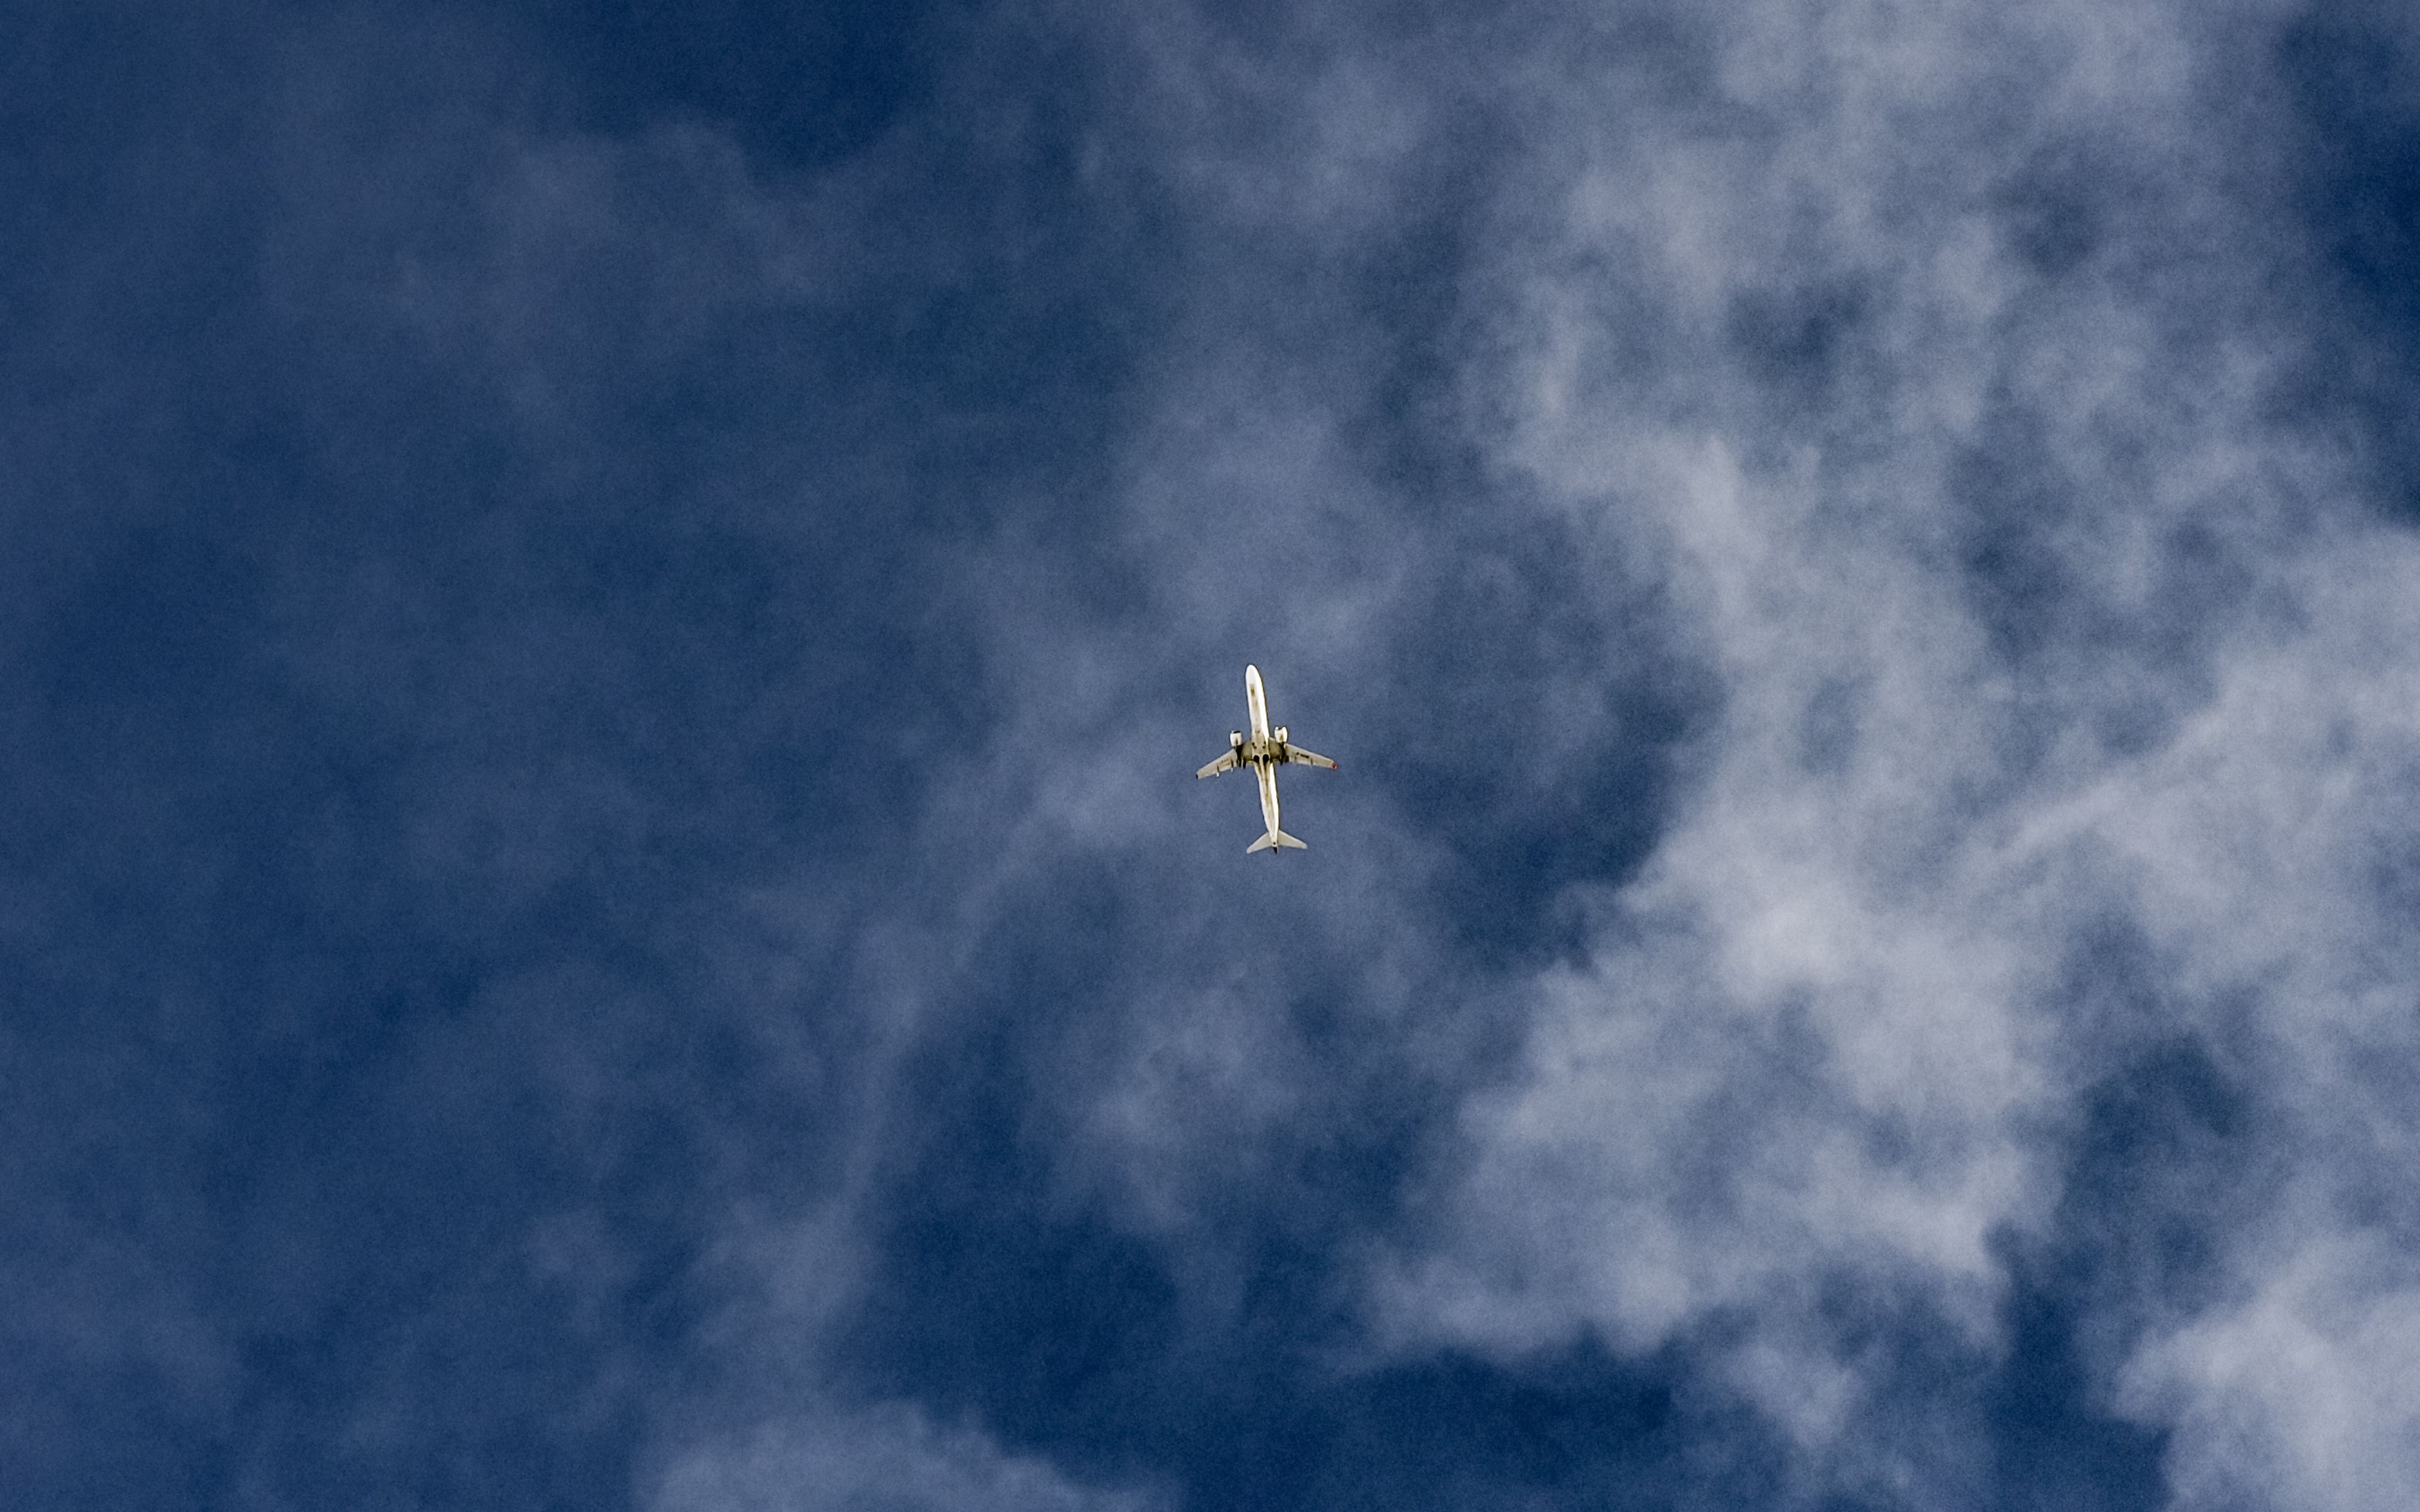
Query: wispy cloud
[[630, 680], [2030, 619], [890, 1457]]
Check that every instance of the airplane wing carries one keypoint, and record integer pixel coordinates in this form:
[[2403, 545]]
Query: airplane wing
[[1226, 763], [1307, 758]]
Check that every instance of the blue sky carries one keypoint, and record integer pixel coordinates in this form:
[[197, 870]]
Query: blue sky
[[605, 611]]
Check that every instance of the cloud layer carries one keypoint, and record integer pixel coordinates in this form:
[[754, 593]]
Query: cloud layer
[[606, 628]]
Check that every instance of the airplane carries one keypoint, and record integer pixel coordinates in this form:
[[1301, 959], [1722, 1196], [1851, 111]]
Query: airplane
[[1265, 752]]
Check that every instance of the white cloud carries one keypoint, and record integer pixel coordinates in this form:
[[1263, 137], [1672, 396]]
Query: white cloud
[[1822, 1038], [2302, 1395], [1820, 1045], [889, 1458]]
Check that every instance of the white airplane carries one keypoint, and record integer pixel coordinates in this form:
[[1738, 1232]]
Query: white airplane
[[1263, 753]]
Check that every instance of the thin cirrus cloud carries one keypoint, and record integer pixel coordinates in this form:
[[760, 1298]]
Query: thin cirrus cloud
[[1951, 460], [1828, 1052]]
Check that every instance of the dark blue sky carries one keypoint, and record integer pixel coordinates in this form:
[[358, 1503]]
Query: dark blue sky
[[605, 612]]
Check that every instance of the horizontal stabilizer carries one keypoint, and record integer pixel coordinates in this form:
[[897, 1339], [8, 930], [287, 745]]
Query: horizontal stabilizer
[[1275, 838]]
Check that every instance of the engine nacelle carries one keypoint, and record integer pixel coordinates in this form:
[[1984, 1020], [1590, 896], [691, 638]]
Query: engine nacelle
[[1277, 735], [1234, 740]]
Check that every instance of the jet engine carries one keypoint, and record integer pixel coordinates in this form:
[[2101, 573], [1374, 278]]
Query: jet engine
[[1277, 735], [1234, 740]]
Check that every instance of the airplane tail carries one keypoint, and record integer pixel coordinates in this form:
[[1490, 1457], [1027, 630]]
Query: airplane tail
[[1275, 838]]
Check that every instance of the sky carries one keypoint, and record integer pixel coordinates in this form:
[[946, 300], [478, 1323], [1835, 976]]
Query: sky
[[606, 612]]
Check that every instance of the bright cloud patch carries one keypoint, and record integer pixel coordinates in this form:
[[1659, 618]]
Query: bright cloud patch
[[891, 1459], [2031, 624]]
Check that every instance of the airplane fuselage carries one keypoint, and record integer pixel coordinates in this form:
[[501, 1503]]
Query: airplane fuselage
[[1257, 751]]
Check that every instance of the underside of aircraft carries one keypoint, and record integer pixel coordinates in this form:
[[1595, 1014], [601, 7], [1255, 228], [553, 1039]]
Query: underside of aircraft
[[1264, 751]]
